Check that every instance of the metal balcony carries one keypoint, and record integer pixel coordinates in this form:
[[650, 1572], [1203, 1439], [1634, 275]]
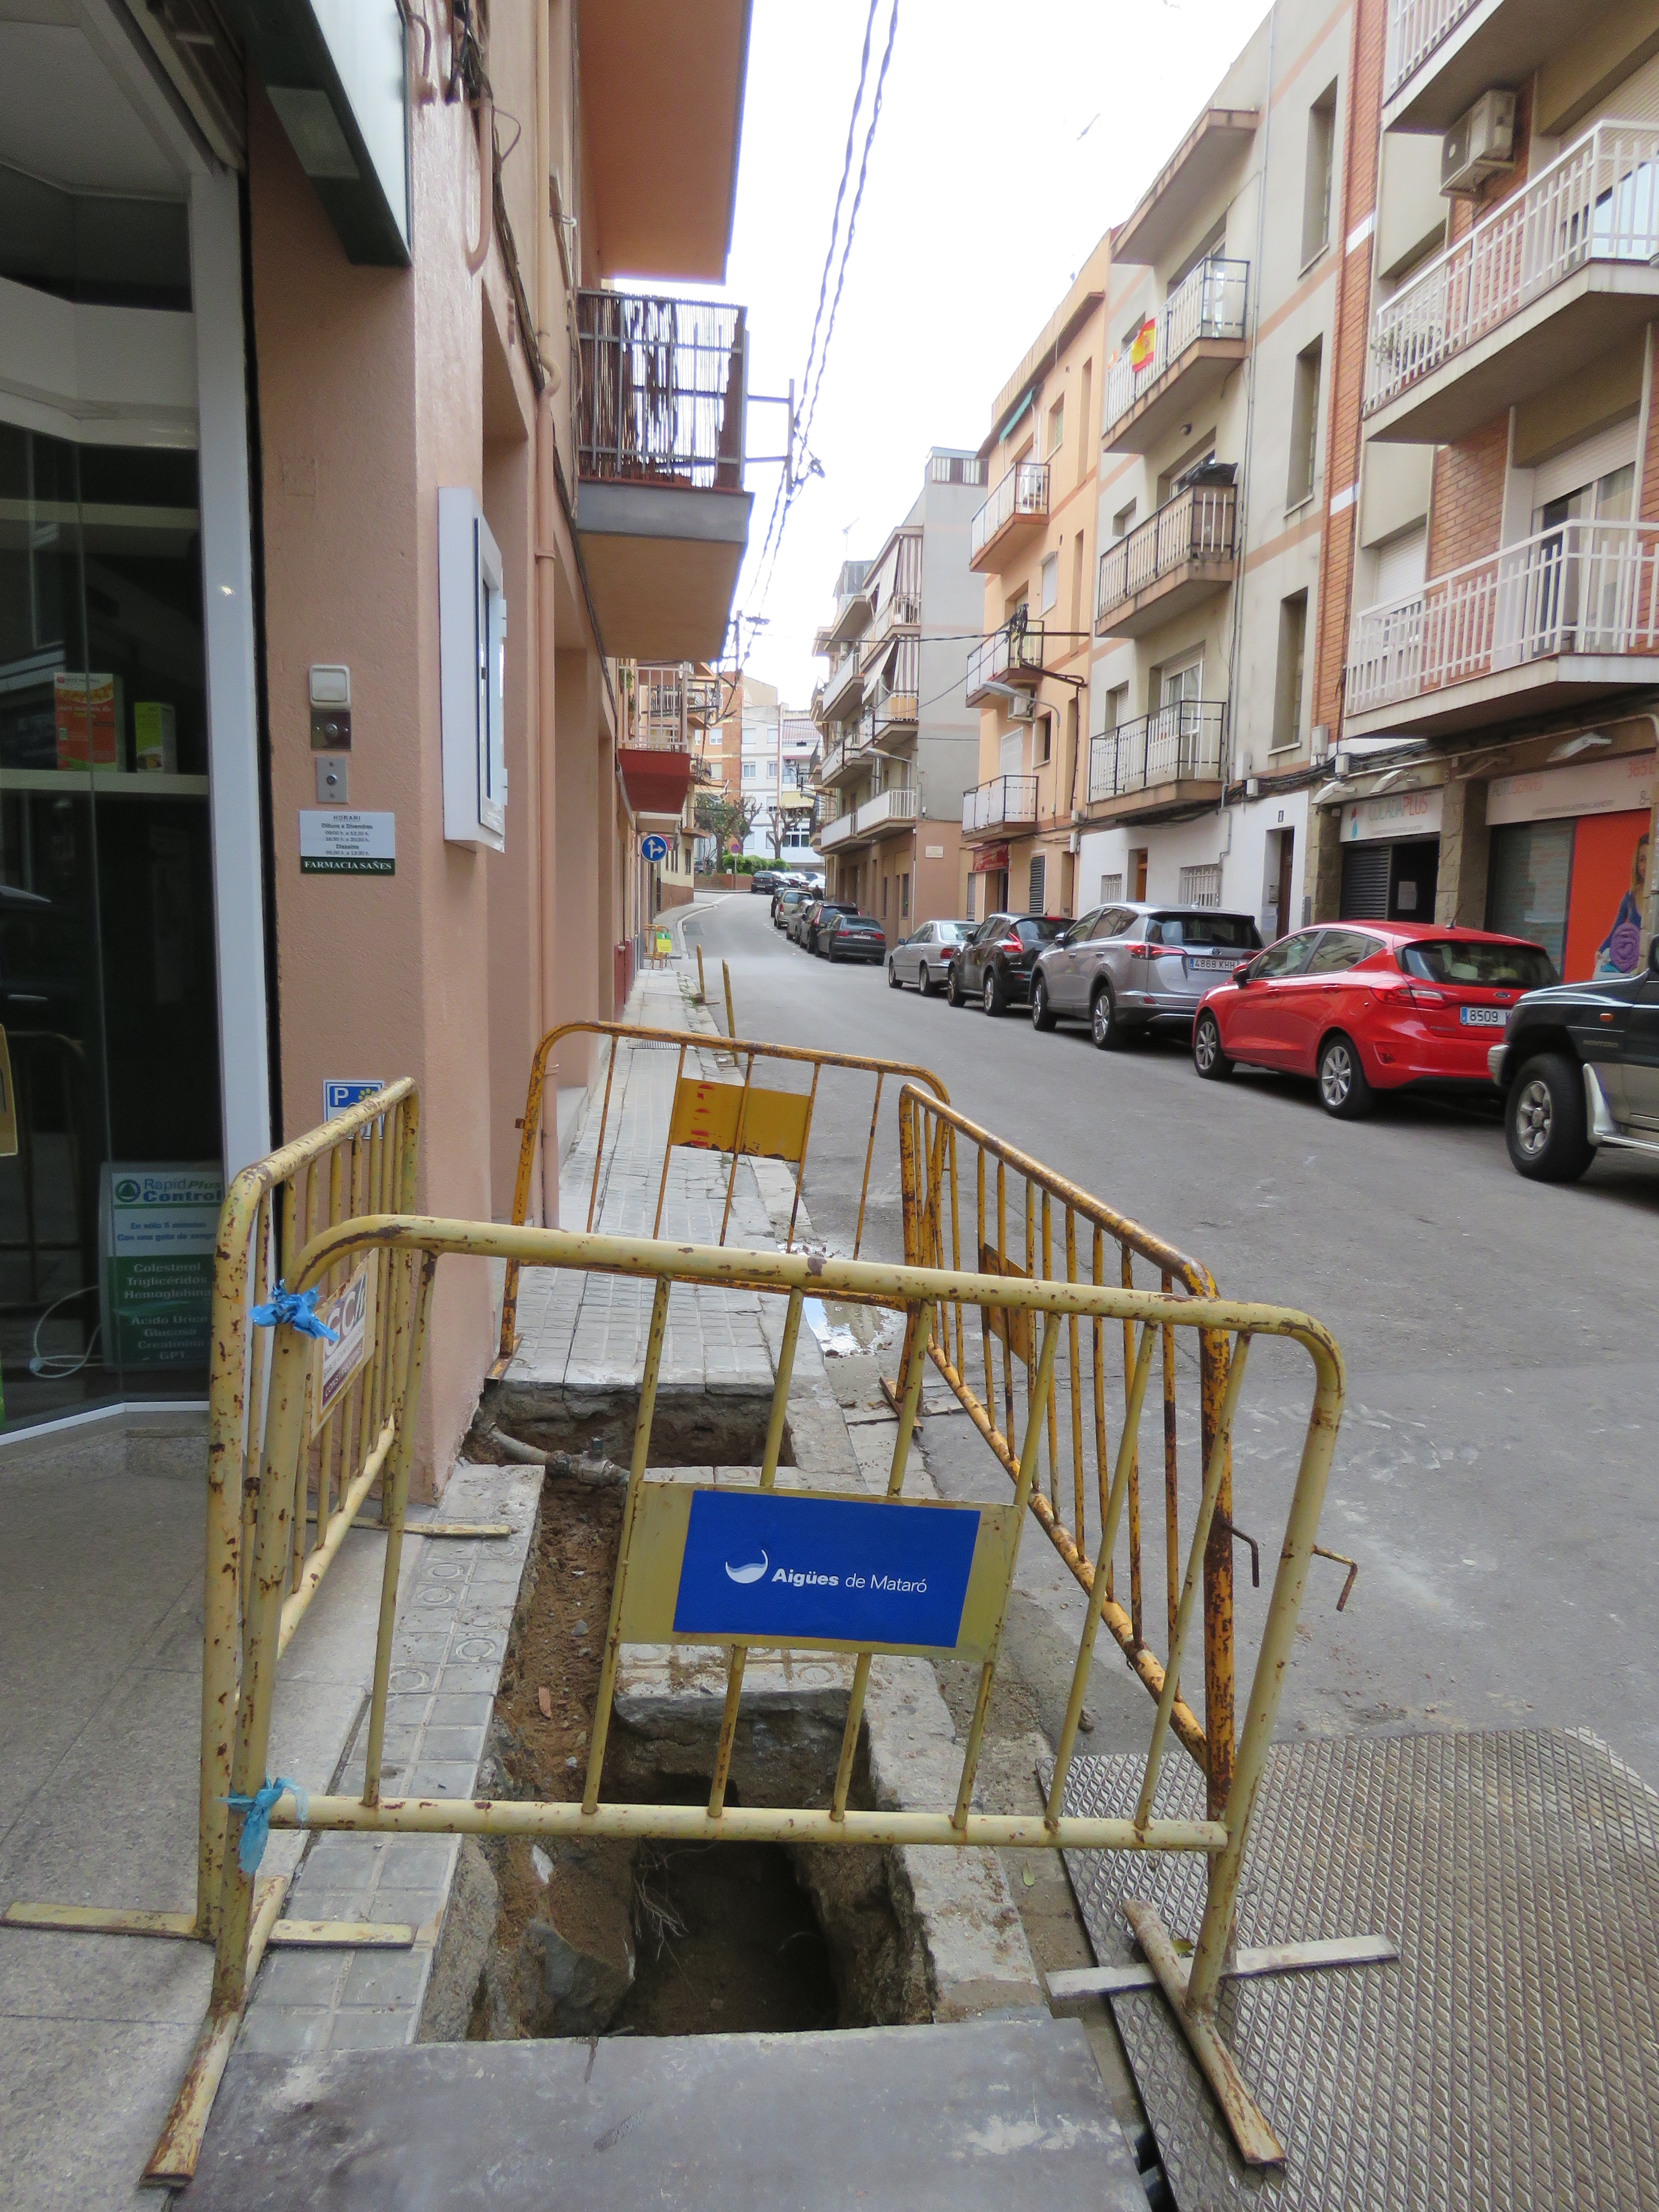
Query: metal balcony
[[1547, 283], [893, 809], [1010, 658], [1568, 614], [1186, 350], [661, 511], [843, 689], [1184, 553], [1168, 762], [1016, 512], [1006, 802], [1443, 54]]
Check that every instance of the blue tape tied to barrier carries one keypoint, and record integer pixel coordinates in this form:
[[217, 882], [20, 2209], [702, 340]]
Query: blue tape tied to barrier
[[294, 1310], [256, 1812]]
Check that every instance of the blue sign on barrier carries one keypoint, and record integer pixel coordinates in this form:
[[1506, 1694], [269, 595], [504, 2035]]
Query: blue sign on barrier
[[765, 1563], [654, 847]]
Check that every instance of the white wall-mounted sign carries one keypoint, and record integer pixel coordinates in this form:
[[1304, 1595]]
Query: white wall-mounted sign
[[1618, 786], [336, 842], [471, 672], [1394, 814]]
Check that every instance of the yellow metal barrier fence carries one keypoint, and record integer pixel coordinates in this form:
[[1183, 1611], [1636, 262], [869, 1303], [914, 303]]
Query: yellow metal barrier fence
[[655, 1571], [362, 1161], [744, 1120]]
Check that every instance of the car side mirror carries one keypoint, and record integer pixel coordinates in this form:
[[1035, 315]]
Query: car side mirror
[[1241, 973]]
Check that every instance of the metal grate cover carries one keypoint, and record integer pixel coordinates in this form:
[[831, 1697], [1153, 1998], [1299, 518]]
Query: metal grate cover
[[1510, 2059]]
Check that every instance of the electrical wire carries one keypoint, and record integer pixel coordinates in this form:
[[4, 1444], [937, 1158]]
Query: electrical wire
[[841, 278], [828, 258]]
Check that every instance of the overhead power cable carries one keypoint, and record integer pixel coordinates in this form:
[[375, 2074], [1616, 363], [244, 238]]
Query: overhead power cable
[[829, 259]]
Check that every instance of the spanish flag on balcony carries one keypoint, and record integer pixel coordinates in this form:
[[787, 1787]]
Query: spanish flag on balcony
[[1141, 344]]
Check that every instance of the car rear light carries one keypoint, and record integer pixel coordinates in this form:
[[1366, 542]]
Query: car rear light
[[1420, 997], [1145, 952], [1011, 944]]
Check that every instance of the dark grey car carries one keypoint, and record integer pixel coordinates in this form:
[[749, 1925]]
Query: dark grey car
[[1124, 967]]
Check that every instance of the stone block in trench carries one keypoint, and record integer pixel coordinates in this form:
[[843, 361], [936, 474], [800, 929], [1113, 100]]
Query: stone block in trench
[[581, 1990]]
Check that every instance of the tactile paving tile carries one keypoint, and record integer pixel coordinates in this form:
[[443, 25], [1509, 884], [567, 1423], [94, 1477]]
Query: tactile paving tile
[[1509, 2059]]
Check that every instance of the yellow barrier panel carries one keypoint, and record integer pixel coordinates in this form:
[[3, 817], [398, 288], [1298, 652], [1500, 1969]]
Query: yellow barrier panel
[[705, 1116], [737, 1567], [363, 1160]]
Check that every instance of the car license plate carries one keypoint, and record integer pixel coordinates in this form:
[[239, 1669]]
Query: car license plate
[[1216, 967], [1482, 1017]]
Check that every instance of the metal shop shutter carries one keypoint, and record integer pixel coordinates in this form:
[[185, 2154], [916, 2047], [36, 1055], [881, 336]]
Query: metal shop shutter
[[1365, 881]]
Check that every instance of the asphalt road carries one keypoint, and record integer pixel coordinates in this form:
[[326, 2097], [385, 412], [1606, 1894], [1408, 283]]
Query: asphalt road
[[1496, 1473]]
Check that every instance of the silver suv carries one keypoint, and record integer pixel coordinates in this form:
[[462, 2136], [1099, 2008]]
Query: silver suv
[[1122, 968]]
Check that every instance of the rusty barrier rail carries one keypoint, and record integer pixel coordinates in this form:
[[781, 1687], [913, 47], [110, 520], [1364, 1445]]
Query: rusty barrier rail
[[669, 1589], [362, 1161], [938, 1214], [741, 1120]]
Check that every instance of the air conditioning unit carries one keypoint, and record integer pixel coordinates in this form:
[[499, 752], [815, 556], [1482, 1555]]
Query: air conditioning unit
[[1074, 841], [1022, 707], [1480, 143]]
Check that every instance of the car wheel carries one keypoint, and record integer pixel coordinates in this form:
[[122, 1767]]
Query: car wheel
[[1212, 1063], [1103, 1023], [994, 999], [1042, 1014], [924, 983], [1343, 1089], [892, 977], [1544, 1121], [953, 996]]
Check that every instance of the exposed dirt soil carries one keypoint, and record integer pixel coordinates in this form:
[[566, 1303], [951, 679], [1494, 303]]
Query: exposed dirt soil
[[722, 1937]]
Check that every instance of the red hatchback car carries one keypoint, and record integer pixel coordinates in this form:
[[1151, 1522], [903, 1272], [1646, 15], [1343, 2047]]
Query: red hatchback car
[[1369, 1006]]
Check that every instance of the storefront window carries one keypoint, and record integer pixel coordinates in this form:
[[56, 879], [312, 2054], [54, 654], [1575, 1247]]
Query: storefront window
[[1574, 887], [107, 986]]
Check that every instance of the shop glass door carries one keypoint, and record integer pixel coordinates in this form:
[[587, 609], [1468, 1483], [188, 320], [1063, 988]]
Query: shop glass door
[[110, 1169]]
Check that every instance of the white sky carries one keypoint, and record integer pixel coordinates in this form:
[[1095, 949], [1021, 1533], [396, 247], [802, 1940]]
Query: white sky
[[981, 203]]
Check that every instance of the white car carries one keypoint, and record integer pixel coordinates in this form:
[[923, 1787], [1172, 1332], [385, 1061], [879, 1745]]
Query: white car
[[924, 957]]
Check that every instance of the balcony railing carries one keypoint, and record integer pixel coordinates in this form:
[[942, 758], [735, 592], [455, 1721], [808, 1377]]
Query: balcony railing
[[659, 715], [1599, 200], [1023, 490], [1584, 587], [898, 804], [661, 398], [841, 687], [893, 701], [1010, 655], [1003, 803], [835, 830], [1416, 28], [1196, 524], [1179, 744], [1209, 303]]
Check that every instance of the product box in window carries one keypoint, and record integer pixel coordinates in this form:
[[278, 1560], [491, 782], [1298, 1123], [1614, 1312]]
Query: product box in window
[[87, 715]]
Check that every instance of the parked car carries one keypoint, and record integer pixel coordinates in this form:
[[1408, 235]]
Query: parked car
[[809, 929], [763, 879], [1579, 1068], [993, 966], [1369, 1006], [851, 937], [924, 957], [786, 904], [1125, 967]]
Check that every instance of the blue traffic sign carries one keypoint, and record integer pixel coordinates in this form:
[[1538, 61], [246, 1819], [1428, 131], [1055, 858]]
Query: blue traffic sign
[[654, 847]]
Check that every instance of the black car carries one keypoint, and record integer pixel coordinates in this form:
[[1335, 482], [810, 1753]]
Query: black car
[[993, 967], [809, 930], [851, 937], [1579, 1069]]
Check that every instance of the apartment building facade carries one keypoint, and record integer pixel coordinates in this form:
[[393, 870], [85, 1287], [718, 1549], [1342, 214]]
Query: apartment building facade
[[896, 745], [777, 745], [1223, 310], [1033, 543], [342, 484], [1501, 671]]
